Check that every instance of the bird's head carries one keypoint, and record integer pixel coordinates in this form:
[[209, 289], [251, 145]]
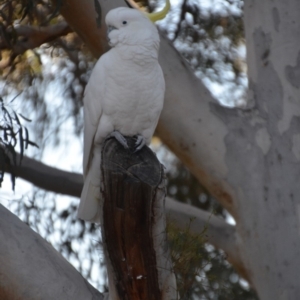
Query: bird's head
[[130, 27]]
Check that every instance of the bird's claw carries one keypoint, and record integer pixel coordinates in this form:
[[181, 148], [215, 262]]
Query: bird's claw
[[140, 143], [120, 138]]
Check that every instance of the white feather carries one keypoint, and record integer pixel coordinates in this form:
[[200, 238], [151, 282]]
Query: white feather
[[125, 93]]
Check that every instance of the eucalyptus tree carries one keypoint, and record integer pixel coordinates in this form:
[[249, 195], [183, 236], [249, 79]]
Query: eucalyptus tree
[[245, 156]]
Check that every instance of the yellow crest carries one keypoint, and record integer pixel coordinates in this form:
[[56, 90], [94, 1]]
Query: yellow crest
[[159, 15]]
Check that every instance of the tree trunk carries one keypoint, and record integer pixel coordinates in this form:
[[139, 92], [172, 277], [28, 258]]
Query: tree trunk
[[263, 151], [134, 226]]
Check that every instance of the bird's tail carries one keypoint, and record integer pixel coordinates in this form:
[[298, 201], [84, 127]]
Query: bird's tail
[[89, 208]]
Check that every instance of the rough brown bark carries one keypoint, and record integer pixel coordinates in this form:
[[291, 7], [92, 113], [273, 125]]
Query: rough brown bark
[[131, 184]]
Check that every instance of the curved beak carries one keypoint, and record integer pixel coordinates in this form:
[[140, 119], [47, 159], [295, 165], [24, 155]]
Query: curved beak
[[110, 28]]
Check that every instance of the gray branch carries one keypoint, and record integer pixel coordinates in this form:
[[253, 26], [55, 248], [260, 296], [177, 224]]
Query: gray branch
[[47, 178], [30, 37], [31, 269], [220, 234]]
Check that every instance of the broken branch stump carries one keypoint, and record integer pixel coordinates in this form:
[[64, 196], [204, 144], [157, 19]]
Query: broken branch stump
[[133, 226]]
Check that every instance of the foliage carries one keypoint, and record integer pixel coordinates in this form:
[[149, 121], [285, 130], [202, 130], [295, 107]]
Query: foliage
[[186, 256], [198, 29], [211, 38], [15, 15], [202, 271], [25, 60], [12, 133]]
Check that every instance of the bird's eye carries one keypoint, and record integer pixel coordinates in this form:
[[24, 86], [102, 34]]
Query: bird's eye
[[124, 22]]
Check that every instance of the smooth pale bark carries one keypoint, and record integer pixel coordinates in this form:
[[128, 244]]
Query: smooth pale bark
[[31, 269], [264, 151]]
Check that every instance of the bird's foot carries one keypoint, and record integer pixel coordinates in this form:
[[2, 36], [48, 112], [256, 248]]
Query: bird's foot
[[120, 138], [140, 143]]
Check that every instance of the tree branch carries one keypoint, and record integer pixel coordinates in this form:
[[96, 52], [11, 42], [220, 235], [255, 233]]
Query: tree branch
[[220, 234], [47, 178], [28, 263], [30, 37], [82, 17]]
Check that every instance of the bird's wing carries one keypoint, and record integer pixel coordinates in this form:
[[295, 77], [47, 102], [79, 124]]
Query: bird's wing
[[94, 93]]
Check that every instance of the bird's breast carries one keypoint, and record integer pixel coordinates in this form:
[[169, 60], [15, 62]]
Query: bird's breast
[[134, 98]]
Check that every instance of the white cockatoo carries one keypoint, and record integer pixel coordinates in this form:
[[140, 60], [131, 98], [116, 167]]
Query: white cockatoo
[[124, 97]]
